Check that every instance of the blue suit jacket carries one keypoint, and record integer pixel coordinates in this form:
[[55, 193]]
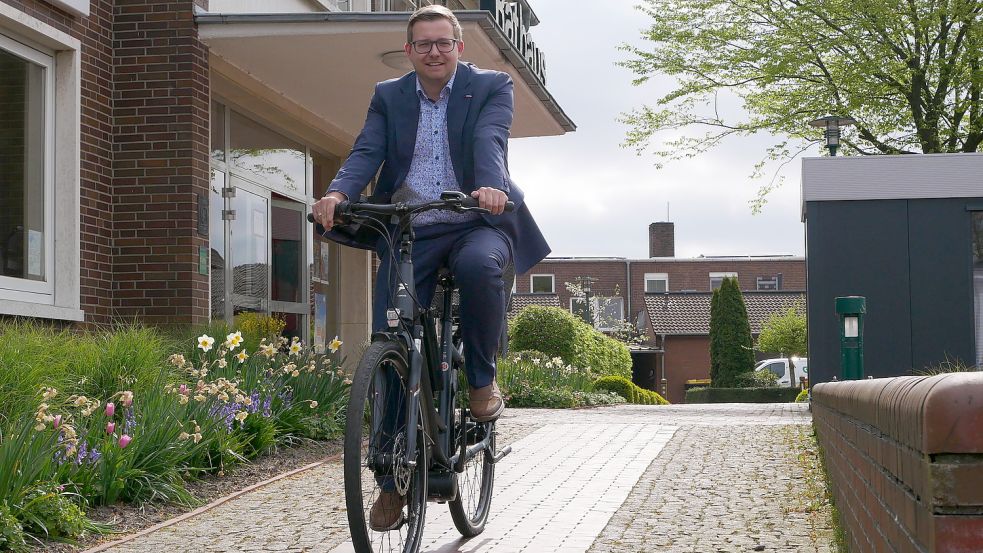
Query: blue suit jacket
[[479, 115]]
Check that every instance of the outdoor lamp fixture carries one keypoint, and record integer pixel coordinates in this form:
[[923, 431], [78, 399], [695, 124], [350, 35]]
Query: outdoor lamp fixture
[[832, 125], [396, 59]]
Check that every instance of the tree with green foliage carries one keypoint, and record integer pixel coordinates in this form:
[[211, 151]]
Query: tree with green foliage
[[909, 73], [731, 344], [785, 334]]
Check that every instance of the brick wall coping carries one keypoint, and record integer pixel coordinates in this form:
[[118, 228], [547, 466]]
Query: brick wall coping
[[940, 414]]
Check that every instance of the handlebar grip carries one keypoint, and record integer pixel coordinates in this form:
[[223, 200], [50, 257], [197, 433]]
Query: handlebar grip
[[473, 202], [341, 210]]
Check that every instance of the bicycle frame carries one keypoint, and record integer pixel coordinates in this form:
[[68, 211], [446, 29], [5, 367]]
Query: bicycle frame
[[415, 328]]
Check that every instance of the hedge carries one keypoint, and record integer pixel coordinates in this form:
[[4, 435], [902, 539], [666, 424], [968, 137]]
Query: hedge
[[741, 395], [628, 390], [557, 332]]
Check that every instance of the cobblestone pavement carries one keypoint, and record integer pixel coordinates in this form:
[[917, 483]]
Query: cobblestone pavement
[[707, 478]]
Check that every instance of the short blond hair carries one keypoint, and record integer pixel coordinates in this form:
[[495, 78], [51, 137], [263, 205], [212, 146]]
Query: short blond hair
[[433, 13]]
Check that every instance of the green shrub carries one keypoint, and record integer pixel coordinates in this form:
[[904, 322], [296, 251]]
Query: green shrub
[[591, 399], [49, 513], [741, 395], [558, 333], [803, 396], [755, 379], [731, 352], [540, 396], [11, 531], [628, 390]]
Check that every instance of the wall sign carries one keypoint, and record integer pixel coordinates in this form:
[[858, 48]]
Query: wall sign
[[511, 18], [77, 7]]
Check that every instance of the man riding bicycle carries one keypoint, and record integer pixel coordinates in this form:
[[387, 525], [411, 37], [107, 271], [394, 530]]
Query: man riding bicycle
[[443, 126]]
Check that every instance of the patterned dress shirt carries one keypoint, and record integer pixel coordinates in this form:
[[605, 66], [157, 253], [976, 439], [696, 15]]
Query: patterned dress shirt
[[431, 171]]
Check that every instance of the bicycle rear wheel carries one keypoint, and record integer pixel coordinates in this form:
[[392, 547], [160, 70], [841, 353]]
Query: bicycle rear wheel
[[474, 486], [375, 439]]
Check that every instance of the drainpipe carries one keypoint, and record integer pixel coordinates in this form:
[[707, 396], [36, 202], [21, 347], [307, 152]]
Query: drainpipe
[[628, 286]]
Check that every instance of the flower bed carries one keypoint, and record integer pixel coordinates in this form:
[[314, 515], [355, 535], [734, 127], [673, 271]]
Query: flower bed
[[533, 379], [136, 425]]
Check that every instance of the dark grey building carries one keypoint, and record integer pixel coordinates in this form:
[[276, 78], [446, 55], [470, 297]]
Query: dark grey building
[[906, 232]]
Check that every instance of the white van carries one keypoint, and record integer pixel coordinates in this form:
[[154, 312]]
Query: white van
[[780, 367]]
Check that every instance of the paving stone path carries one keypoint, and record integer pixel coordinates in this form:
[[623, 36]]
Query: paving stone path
[[708, 478]]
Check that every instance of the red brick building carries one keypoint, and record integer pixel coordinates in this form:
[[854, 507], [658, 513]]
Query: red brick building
[[158, 159], [667, 298]]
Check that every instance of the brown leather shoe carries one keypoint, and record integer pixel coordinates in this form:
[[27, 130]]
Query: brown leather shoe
[[387, 512], [486, 403]]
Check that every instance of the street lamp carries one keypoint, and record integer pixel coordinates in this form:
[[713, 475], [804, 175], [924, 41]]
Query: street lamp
[[832, 125]]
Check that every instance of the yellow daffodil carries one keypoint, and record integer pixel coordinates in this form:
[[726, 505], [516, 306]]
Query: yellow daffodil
[[269, 350], [241, 356], [294, 348], [205, 342], [335, 344], [177, 359], [295, 374], [241, 416], [222, 363], [199, 397], [183, 436], [347, 381], [48, 393], [234, 340], [313, 404], [196, 437]]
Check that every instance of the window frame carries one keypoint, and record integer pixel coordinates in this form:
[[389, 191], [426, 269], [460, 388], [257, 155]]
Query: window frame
[[721, 275], [22, 289], [63, 302], [655, 277], [532, 278]]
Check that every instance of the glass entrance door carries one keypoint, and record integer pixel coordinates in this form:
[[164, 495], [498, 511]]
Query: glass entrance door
[[290, 288], [249, 249]]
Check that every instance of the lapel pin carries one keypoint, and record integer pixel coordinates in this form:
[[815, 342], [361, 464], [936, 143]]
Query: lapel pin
[[467, 96]]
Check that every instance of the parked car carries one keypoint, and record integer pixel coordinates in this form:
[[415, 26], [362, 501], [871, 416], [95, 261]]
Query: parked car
[[783, 367]]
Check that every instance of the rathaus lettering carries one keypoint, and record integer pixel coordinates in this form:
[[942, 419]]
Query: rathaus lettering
[[511, 18]]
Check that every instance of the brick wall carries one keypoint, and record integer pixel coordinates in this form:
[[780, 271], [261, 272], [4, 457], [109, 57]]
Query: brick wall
[[686, 358], [160, 162], [95, 34], [905, 460], [144, 153], [684, 274]]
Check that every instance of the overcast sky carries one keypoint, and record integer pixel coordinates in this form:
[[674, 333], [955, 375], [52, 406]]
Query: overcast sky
[[591, 197]]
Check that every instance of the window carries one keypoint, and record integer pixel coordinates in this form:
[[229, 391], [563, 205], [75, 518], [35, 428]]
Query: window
[[656, 283], [541, 284], [39, 92], [977, 218], [606, 312], [716, 279], [769, 282], [25, 156]]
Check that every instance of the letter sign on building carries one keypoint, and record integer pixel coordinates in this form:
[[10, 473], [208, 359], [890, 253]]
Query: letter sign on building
[[511, 18]]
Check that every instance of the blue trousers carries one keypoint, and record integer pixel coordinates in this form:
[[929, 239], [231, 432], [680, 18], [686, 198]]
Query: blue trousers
[[476, 254]]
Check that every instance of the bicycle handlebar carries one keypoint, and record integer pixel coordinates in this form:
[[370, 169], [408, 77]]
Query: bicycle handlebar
[[449, 201]]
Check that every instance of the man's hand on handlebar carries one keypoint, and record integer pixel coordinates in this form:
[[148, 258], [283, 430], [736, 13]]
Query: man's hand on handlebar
[[491, 199], [323, 209]]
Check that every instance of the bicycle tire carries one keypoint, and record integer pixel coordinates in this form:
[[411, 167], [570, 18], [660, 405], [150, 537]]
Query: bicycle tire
[[382, 366], [475, 485]]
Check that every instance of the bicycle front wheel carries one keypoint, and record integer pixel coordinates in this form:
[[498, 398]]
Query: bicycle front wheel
[[375, 448], [474, 486]]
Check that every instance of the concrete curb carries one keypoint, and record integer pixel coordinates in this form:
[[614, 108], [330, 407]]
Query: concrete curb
[[210, 506]]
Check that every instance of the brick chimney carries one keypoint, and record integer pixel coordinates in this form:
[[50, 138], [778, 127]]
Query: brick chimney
[[662, 240]]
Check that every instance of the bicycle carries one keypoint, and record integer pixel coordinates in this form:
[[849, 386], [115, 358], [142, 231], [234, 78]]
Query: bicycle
[[428, 449]]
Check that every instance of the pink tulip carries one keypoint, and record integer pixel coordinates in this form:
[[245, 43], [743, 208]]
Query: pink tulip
[[110, 427], [183, 389], [57, 421], [124, 441], [110, 409]]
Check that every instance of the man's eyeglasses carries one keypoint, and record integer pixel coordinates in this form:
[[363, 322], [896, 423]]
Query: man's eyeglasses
[[444, 45]]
